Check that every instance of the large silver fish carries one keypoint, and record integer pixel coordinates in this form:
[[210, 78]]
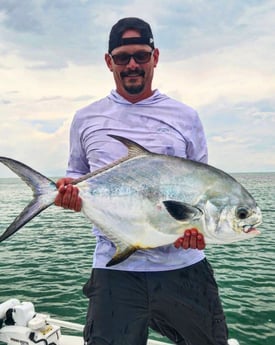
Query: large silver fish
[[146, 200]]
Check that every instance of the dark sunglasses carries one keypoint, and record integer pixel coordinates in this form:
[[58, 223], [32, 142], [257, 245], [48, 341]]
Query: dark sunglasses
[[139, 57]]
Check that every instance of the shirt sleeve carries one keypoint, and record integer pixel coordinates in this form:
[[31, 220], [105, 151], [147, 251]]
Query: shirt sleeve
[[197, 146], [77, 164]]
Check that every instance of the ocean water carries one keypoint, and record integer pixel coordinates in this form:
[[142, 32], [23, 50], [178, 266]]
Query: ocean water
[[49, 260]]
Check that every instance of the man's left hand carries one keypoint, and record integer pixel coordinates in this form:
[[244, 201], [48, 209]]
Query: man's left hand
[[191, 239]]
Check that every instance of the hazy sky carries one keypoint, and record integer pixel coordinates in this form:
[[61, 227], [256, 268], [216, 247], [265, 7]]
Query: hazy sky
[[218, 56]]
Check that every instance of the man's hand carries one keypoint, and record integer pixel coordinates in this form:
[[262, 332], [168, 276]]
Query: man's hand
[[67, 196], [191, 239]]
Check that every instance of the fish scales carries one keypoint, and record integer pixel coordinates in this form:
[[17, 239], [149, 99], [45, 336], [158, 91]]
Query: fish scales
[[146, 200]]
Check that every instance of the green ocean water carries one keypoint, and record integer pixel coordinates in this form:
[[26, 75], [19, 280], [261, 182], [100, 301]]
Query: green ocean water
[[49, 260]]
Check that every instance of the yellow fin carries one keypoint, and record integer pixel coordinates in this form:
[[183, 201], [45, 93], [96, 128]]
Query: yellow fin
[[121, 256]]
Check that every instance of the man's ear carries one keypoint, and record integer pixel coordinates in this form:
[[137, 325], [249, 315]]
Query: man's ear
[[156, 57], [108, 60]]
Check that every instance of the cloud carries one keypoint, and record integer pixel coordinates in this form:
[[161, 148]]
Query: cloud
[[50, 33], [217, 56], [241, 136]]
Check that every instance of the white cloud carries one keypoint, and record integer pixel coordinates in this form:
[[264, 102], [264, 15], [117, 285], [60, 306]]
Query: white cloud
[[217, 56]]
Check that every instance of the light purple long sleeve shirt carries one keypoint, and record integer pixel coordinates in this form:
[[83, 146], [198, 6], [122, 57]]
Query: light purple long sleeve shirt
[[160, 124]]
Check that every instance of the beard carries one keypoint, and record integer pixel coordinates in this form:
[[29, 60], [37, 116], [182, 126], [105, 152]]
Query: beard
[[133, 89]]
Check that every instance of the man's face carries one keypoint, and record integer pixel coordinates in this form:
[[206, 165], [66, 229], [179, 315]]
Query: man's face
[[133, 75]]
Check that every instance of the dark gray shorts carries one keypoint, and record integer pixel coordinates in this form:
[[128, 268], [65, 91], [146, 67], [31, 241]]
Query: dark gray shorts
[[182, 304]]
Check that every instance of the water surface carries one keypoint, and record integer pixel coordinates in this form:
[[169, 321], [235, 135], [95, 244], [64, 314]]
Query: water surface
[[48, 261]]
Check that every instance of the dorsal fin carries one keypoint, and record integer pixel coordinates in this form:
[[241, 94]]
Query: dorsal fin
[[134, 150]]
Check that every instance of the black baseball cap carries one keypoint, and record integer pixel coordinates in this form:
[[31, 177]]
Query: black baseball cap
[[116, 40]]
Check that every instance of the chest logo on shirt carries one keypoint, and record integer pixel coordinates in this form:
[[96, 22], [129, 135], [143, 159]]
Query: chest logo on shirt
[[163, 130]]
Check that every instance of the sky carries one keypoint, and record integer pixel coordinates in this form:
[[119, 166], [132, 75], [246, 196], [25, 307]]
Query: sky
[[217, 56]]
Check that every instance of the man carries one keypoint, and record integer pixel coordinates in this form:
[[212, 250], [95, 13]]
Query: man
[[169, 289]]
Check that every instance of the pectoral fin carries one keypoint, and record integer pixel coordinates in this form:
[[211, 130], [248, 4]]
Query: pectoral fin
[[182, 211], [121, 255]]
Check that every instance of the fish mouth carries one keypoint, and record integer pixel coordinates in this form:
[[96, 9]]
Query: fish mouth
[[250, 229]]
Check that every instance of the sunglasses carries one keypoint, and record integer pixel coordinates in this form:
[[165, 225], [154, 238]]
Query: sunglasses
[[139, 57]]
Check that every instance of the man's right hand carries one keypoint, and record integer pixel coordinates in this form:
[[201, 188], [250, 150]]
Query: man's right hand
[[67, 196], [192, 238]]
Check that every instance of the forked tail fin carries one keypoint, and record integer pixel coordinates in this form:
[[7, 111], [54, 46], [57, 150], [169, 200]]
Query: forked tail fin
[[44, 192]]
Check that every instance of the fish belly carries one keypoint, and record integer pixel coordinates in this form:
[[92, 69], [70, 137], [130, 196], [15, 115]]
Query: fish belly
[[136, 222]]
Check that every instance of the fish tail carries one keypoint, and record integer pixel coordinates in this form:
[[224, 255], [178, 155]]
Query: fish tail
[[44, 191]]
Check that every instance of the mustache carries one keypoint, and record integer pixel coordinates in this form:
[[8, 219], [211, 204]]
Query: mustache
[[132, 73]]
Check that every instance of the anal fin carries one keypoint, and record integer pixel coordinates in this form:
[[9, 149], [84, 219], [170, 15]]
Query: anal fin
[[121, 256]]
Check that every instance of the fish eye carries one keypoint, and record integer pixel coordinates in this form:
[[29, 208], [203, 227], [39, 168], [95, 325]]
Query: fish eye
[[242, 212]]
